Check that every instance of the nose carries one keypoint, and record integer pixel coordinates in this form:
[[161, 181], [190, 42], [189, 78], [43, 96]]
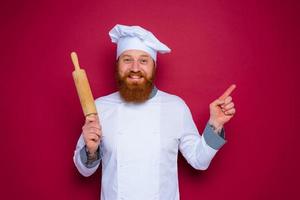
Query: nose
[[135, 67]]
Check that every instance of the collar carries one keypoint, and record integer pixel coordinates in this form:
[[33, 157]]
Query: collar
[[153, 92]]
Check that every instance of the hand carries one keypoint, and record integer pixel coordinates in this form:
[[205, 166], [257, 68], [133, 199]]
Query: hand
[[92, 133], [222, 109]]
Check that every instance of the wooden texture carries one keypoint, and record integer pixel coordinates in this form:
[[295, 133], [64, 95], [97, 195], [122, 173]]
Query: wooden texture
[[83, 88]]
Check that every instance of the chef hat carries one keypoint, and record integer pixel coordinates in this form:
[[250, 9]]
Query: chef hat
[[135, 37]]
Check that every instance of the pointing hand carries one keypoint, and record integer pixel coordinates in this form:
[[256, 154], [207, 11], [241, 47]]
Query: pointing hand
[[222, 109]]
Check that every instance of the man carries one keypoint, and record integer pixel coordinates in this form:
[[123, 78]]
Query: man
[[140, 129]]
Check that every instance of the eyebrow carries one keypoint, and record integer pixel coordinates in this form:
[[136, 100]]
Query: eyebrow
[[144, 55], [126, 55]]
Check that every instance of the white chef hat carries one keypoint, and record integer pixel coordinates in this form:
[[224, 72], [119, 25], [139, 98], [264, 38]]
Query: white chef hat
[[135, 37]]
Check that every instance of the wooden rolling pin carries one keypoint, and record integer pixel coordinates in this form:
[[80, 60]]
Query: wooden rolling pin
[[83, 88]]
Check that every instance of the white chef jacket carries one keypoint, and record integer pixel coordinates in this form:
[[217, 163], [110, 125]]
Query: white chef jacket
[[140, 144]]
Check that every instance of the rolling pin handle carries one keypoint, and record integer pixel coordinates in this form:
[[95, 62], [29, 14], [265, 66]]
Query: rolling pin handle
[[75, 61]]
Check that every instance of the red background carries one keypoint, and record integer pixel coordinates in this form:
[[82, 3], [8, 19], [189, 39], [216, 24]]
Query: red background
[[254, 44]]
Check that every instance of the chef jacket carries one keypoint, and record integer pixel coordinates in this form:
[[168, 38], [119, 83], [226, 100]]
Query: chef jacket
[[140, 144]]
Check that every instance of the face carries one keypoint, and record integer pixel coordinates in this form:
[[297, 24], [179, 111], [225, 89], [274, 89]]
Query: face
[[136, 65], [135, 75]]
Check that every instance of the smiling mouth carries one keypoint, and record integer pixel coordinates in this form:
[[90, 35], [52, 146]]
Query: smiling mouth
[[135, 76]]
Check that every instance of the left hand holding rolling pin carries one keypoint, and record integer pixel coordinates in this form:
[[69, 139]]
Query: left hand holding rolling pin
[[222, 110]]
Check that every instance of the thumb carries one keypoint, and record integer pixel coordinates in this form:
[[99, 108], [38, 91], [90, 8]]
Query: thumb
[[91, 118], [217, 102]]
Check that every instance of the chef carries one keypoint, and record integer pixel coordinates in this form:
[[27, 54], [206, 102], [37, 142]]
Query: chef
[[140, 129]]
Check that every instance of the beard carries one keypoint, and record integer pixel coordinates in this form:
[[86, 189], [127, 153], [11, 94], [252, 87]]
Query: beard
[[135, 92]]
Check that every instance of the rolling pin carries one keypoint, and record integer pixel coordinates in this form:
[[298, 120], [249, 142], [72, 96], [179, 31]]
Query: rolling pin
[[83, 88]]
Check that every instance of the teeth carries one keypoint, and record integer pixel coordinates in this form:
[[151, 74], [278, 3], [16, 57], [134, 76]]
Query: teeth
[[135, 77]]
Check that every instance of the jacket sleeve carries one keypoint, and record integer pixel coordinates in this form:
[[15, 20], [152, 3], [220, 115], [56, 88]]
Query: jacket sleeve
[[84, 166], [198, 150]]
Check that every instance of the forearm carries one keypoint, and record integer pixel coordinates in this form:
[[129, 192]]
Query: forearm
[[90, 160], [214, 136], [200, 150], [85, 166]]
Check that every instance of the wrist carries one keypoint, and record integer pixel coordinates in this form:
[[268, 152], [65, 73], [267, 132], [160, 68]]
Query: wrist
[[91, 155], [217, 127]]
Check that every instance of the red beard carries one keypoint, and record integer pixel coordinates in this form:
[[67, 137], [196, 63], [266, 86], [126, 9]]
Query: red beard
[[132, 91]]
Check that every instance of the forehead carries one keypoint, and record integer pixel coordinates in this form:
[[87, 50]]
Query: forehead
[[135, 53]]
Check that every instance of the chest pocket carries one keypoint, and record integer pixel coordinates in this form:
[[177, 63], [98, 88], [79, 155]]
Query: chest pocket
[[138, 152]]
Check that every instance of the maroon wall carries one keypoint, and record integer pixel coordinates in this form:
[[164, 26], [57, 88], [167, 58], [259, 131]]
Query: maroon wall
[[254, 44]]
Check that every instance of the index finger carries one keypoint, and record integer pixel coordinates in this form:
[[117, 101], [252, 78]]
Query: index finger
[[228, 91]]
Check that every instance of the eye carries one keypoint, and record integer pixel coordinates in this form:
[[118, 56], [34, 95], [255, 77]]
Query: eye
[[127, 60], [144, 61]]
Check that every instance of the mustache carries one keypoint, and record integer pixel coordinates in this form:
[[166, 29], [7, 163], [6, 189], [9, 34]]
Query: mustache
[[132, 73]]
